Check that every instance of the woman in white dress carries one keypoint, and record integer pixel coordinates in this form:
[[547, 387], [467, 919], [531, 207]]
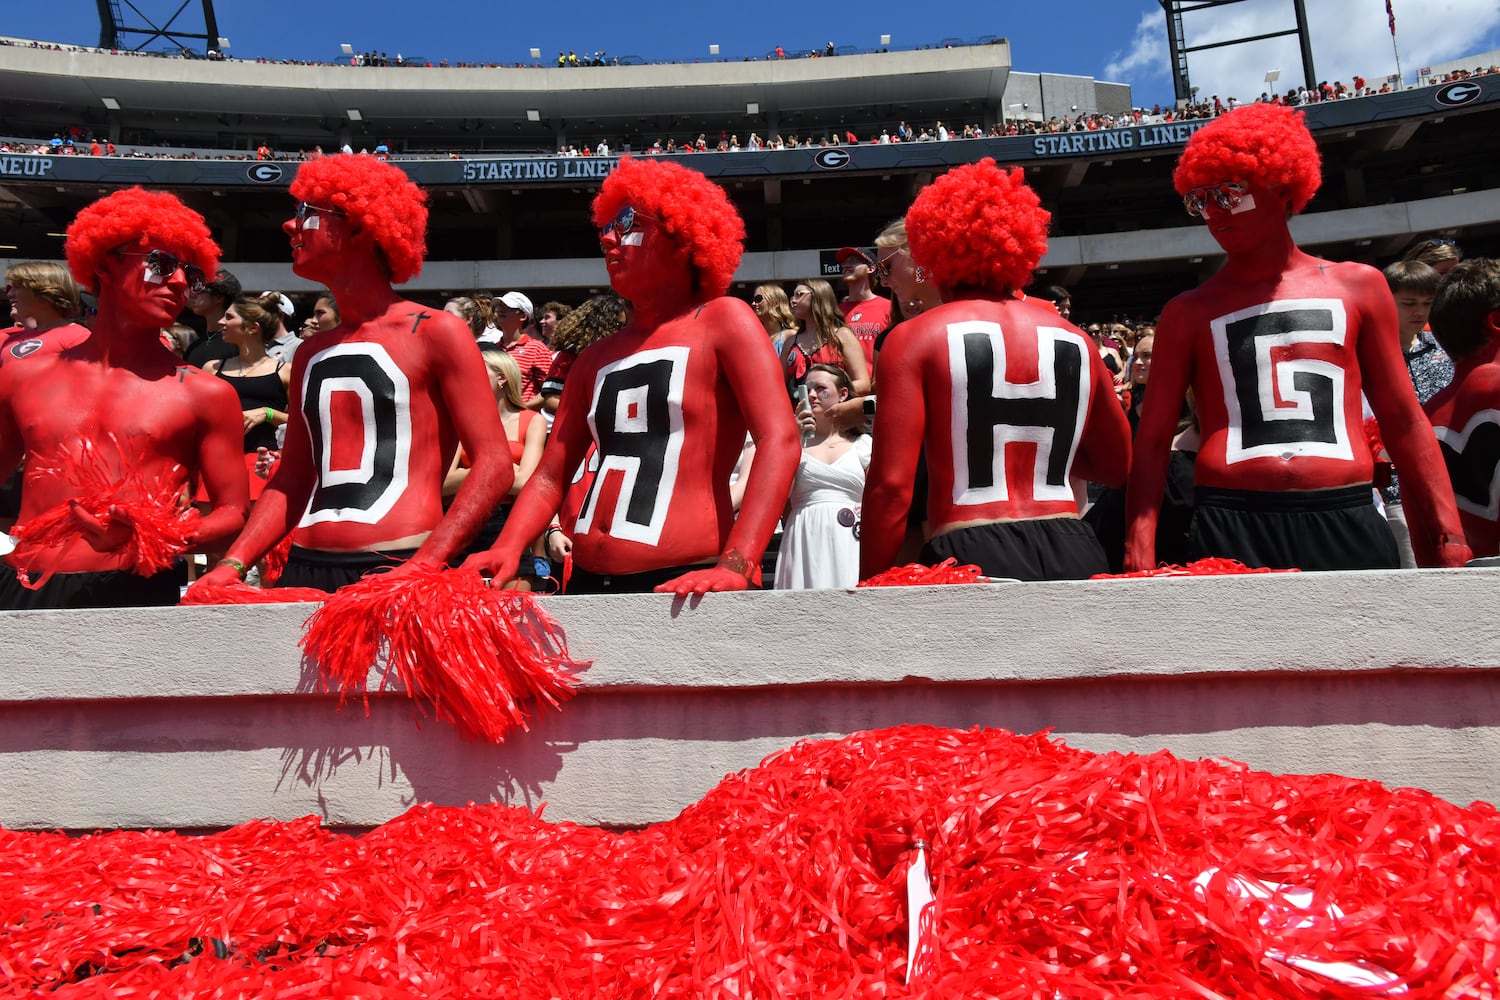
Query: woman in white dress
[[820, 543]]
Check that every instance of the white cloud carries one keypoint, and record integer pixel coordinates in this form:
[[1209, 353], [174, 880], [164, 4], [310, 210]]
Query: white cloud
[[1348, 37], [1147, 55]]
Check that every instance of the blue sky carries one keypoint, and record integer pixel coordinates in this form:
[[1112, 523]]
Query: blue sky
[[1120, 40]]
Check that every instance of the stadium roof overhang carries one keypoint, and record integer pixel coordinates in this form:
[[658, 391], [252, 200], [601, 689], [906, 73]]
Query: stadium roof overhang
[[82, 79]]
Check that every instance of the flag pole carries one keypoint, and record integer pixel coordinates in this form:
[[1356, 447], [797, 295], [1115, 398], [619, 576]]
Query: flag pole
[[1391, 18]]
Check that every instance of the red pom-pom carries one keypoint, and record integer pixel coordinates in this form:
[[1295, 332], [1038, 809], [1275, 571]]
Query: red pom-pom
[[1211, 566], [165, 525], [1056, 872], [243, 593], [916, 575], [475, 654], [274, 562]]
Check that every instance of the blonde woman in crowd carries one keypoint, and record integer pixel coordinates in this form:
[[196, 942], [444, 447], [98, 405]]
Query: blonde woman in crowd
[[911, 290], [775, 311], [823, 339], [525, 432]]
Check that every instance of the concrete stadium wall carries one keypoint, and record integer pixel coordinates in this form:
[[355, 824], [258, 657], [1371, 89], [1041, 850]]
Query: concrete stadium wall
[[205, 717]]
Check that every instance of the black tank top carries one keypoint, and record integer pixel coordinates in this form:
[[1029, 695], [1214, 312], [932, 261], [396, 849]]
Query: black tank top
[[257, 392]]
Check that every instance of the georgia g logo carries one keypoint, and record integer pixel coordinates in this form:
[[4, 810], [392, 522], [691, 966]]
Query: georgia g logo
[[265, 173], [25, 348], [1457, 94], [832, 158], [1283, 394]]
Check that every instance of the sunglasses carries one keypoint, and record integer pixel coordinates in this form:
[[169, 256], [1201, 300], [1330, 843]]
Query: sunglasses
[[164, 264], [757, 298], [304, 209], [1440, 243], [883, 266], [622, 224], [1227, 196]]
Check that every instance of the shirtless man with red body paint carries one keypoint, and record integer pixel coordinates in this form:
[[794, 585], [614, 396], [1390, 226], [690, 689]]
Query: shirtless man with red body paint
[[1010, 400], [1277, 348], [377, 406], [120, 406], [667, 400]]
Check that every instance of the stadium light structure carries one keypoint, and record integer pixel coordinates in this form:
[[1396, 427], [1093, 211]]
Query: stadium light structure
[[115, 23], [1179, 49]]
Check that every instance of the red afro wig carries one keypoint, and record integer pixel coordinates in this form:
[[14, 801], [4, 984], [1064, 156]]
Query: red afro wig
[[151, 220], [695, 213], [1267, 144], [376, 196], [978, 226]]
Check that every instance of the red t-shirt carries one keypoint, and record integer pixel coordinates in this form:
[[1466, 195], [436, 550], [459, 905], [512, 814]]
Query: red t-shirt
[[868, 319], [18, 342], [534, 358]]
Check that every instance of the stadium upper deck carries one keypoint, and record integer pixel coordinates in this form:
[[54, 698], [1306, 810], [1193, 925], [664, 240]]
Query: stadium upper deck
[[1395, 165]]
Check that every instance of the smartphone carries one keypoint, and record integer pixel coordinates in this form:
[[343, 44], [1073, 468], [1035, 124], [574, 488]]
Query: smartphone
[[799, 403]]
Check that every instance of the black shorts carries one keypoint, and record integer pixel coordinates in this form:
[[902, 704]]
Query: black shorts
[[328, 571], [584, 582], [113, 589], [1309, 530], [10, 496], [1046, 548]]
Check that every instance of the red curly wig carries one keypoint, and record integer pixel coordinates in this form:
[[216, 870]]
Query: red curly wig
[[151, 220], [978, 226], [1267, 144], [694, 212], [376, 196]]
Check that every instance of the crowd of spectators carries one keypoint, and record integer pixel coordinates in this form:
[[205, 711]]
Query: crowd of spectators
[[78, 141], [826, 347]]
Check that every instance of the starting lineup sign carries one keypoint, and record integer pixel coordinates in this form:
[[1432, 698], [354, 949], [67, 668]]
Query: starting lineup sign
[[762, 164]]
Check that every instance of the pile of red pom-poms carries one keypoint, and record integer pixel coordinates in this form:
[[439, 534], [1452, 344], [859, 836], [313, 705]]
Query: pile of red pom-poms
[[916, 575], [1058, 873], [1211, 566]]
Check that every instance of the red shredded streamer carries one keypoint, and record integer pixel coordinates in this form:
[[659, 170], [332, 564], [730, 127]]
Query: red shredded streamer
[[1212, 566], [476, 655], [243, 593], [1057, 873], [916, 575], [274, 563], [165, 526]]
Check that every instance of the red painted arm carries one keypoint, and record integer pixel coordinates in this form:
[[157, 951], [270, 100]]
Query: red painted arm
[[463, 382], [900, 423], [738, 341], [1171, 374]]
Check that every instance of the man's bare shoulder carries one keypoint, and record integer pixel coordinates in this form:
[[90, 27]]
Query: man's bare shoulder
[[730, 317], [204, 386]]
